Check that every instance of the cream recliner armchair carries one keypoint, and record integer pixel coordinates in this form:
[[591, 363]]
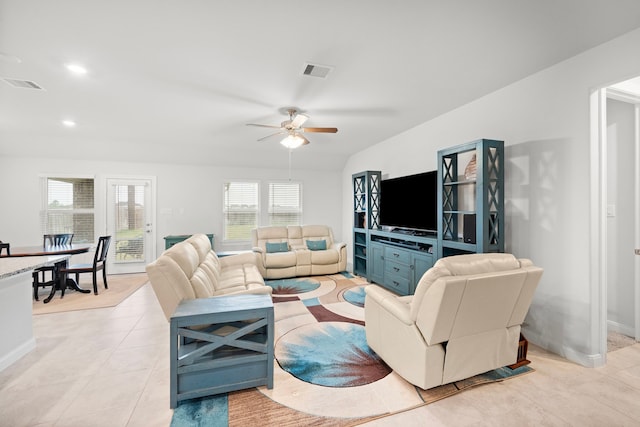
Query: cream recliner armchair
[[464, 318]]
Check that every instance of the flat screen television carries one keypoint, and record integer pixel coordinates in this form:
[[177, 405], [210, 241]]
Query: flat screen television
[[410, 202]]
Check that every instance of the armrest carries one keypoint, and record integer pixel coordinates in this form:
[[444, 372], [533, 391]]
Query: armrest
[[338, 245], [238, 259], [389, 302], [258, 250]]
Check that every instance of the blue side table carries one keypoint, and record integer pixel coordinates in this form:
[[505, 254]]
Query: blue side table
[[233, 351], [173, 239]]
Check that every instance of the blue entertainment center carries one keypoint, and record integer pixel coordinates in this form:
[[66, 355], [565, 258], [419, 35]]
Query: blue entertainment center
[[396, 257]]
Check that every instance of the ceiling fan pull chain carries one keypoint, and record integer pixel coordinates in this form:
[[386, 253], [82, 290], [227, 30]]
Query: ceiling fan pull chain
[[290, 150]]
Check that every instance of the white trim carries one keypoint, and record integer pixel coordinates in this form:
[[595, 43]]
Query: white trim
[[637, 217], [17, 353], [620, 95], [598, 229]]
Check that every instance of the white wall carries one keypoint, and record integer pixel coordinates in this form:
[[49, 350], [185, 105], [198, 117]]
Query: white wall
[[192, 195], [620, 236], [544, 121]]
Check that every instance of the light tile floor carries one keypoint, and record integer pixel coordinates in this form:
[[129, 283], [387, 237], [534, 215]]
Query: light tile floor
[[110, 367]]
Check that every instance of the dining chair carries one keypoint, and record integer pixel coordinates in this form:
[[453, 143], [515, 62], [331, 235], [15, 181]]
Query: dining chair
[[5, 246], [39, 274], [57, 239], [99, 263]]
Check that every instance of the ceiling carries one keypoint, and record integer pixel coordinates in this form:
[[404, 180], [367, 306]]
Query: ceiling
[[177, 81]]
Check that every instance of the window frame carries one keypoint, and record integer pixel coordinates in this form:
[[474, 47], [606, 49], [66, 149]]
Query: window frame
[[299, 212], [45, 209], [225, 211]]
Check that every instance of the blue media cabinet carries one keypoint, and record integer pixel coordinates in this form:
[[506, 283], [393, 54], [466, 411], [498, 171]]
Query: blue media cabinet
[[366, 216], [471, 207], [398, 260], [219, 345], [470, 218]]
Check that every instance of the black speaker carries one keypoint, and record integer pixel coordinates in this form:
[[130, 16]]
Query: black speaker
[[469, 228]]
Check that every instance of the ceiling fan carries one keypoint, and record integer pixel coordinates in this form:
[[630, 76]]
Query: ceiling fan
[[293, 129]]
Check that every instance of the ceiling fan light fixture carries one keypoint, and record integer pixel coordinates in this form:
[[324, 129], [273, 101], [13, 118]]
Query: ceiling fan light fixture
[[292, 141]]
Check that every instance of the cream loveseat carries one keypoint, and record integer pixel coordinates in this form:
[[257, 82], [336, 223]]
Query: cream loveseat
[[464, 318], [306, 250], [191, 269]]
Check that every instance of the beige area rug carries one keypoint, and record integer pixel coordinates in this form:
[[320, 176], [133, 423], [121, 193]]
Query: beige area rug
[[120, 287], [266, 412]]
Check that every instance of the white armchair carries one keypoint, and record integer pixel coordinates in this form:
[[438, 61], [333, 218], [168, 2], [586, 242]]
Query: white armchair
[[464, 318]]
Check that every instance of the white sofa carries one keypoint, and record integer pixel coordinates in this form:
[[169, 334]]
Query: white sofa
[[308, 250], [191, 269], [464, 318]]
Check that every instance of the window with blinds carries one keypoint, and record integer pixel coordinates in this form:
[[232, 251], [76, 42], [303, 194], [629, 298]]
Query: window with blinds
[[241, 209], [69, 208], [285, 203]]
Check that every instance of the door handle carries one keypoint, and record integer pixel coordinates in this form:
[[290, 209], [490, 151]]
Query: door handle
[[637, 251]]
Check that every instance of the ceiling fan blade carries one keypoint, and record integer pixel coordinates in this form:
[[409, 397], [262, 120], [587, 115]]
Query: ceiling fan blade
[[264, 126], [269, 136], [299, 120], [323, 130]]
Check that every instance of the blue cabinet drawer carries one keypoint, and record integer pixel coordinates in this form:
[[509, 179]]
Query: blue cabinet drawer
[[396, 269], [396, 254], [397, 284]]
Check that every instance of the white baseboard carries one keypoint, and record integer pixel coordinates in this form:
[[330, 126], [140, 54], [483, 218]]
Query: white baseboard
[[586, 360], [11, 357]]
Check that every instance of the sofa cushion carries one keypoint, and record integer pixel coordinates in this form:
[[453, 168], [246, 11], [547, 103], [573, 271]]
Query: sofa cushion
[[202, 284], [317, 245], [280, 260], [277, 247], [260, 236], [330, 256], [186, 257]]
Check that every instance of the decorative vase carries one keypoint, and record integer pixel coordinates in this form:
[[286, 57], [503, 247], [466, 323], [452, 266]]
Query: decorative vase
[[470, 170]]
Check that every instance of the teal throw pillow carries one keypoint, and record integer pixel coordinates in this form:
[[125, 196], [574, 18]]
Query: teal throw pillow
[[317, 245], [277, 247]]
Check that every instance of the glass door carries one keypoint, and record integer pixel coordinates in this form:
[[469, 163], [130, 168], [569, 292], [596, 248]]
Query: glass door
[[130, 222]]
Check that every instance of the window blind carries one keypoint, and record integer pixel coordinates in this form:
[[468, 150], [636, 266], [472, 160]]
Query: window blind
[[285, 203], [69, 208], [241, 209]]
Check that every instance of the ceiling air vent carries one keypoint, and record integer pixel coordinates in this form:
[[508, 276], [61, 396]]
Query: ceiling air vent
[[316, 70], [24, 84]]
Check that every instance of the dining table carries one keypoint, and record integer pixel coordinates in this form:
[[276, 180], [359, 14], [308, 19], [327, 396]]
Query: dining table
[[62, 280]]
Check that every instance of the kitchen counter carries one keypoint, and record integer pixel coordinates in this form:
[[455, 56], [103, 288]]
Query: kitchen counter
[[16, 306], [10, 266]]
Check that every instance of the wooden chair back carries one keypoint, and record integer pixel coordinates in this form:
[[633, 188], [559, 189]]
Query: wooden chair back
[[57, 239], [101, 250], [5, 246]]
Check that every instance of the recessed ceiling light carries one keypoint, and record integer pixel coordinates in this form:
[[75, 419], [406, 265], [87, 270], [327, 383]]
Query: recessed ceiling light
[[69, 123], [77, 69]]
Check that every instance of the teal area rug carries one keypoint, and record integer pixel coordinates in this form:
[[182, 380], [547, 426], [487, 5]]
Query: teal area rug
[[204, 412], [293, 286], [355, 296], [330, 354]]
